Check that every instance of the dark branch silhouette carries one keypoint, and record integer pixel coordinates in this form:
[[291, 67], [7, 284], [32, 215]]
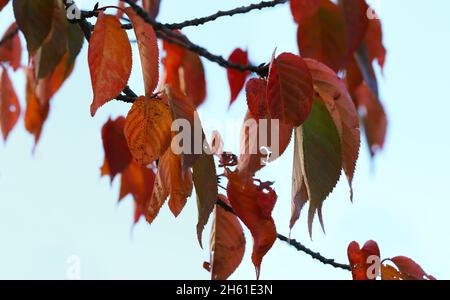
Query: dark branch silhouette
[[296, 245], [228, 13]]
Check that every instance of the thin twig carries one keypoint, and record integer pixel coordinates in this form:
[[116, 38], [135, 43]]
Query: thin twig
[[228, 13], [167, 34], [295, 244]]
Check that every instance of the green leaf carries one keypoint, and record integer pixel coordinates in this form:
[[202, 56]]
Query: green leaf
[[317, 162], [205, 182], [34, 19]]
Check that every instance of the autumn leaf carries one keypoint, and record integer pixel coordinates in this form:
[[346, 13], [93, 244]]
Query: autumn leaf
[[256, 97], [189, 139], [374, 42], [54, 47], [317, 163], [289, 90], [304, 8], [3, 3], [253, 204], [236, 78], [148, 50], [362, 260], [333, 92], [11, 50], [205, 182], [227, 243], [34, 19], [75, 40], [323, 36], [137, 181], [409, 269], [9, 104], [262, 142], [374, 118], [148, 129], [151, 7], [356, 21], [109, 60], [184, 72], [117, 154]]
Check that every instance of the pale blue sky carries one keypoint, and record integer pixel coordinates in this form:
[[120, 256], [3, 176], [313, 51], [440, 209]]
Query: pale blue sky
[[53, 204]]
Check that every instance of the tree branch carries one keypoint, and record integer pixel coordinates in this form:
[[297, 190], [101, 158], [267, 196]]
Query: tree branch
[[228, 13], [170, 36], [295, 244]]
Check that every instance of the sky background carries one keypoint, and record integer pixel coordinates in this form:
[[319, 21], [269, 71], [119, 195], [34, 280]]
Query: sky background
[[53, 203]]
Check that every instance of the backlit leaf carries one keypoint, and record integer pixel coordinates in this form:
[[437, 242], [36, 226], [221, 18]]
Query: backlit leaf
[[109, 60], [236, 78], [322, 36], [341, 108], [9, 104], [253, 204], [227, 243], [289, 89], [115, 145], [148, 129], [148, 50], [360, 261], [11, 50], [355, 16], [317, 162], [304, 8], [3, 3]]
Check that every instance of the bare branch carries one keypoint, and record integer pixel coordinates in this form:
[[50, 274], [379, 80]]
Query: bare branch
[[167, 34], [295, 244], [228, 13]]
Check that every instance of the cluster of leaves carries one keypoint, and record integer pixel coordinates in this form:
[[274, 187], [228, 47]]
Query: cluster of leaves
[[366, 264], [315, 107]]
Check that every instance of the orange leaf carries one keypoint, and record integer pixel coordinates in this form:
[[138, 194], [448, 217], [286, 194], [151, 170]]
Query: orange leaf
[[9, 104], [148, 50], [148, 129], [289, 90], [359, 259], [117, 155], [177, 181], [340, 105], [236, 79], [253, 204], [322, 36], [390, 273], [11, 50], [304, 8], [227, 243], [410, 269], [109, 60]]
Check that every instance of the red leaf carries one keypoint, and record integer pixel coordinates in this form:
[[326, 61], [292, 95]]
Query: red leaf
[[355, 15], [256, 97], [109, 60], [151, 7], [374, 118], [9, 105], [289, 90], [304, 8], [322, 36], [236, 78], [11, 50], [342, 110], [115, 145], [227, 243], [409, 268], [3, 4], [253, 205], [374, 42], [359, 259], [148, 50]]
